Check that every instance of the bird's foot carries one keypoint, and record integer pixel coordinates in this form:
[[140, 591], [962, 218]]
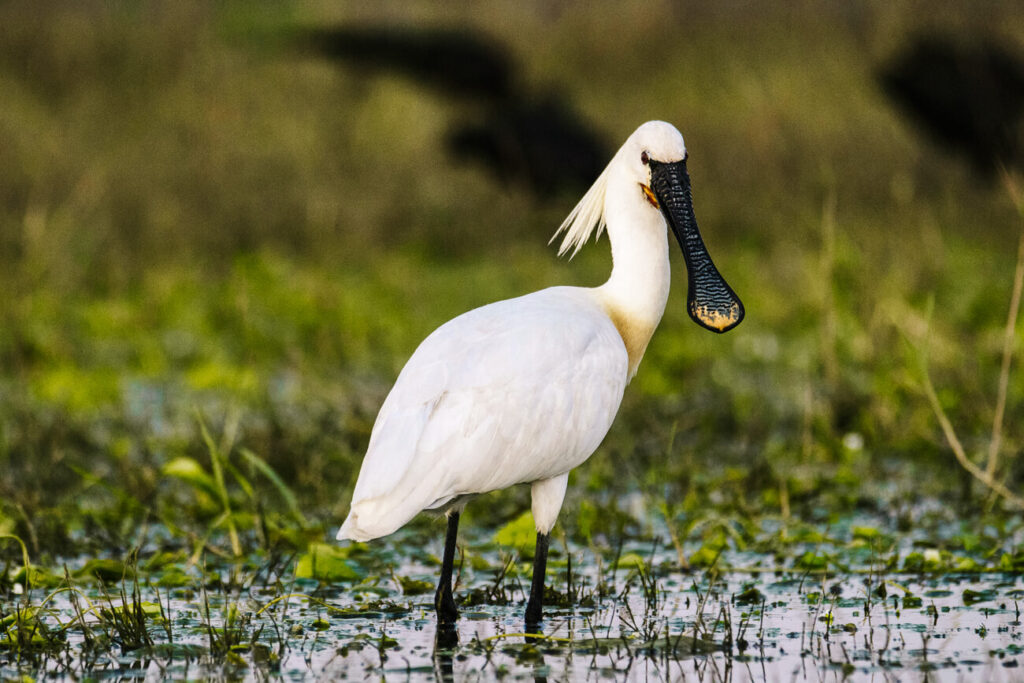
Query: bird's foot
[[444, 605]]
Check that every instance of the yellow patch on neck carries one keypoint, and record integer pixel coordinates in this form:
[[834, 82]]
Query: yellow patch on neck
[[635, 333], [649, 196]]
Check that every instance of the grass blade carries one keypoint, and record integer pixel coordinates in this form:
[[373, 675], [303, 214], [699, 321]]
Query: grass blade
[[218, 477], [282, 488]]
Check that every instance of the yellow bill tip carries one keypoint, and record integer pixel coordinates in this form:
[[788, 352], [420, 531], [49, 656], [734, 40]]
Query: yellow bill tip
[[717, 319]]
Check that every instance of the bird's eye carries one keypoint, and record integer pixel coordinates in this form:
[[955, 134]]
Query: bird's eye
[[644, 158]]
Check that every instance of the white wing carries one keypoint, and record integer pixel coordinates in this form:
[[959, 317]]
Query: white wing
[[513, 392]]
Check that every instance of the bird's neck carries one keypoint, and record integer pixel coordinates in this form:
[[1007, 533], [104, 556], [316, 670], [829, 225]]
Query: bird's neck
[[635, 295]]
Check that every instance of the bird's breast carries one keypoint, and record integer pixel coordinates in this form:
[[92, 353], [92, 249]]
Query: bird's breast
[[636, 333]]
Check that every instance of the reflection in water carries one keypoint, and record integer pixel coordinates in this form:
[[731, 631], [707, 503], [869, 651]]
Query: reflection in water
[[540, 669], [445, 641]]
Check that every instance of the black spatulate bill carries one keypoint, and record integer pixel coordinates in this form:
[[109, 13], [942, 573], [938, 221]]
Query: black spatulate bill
[[710, 300]]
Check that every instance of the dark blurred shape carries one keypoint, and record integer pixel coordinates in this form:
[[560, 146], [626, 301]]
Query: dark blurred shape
[[541, 144], [966, 94], [538, 142], [454, 61]]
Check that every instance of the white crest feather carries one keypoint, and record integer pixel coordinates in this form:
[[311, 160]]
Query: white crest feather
[[586, 218]]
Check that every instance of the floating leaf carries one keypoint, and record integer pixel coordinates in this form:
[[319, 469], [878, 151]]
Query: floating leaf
[[106, 570], [966, 564], [914, 562], [150, 610], [708, 553], [173, 577], [479, 562], [928, 561], [163, 559], [812, 561], [1012, 562], [632, 561], [972, 596], [37, 577], [326, 563], [520, 533], [749, 596], [414, 586]]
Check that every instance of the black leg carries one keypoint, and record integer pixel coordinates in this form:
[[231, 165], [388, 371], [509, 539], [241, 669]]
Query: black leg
[[444, 603], [540, 564]]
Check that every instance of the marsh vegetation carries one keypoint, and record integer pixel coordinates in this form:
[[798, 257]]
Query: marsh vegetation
[[217, 251]]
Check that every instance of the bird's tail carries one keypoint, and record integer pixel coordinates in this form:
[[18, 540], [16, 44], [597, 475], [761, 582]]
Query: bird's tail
[[367, 521], [350, 530]]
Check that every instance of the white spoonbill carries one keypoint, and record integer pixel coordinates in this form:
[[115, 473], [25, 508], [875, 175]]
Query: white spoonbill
[[522, 391]]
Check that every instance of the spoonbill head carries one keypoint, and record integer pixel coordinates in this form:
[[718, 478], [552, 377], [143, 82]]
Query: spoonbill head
[[654, 158], [524, 390]]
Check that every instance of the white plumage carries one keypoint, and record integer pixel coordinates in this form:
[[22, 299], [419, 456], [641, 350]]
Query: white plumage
[[514, 392], [524, 390]]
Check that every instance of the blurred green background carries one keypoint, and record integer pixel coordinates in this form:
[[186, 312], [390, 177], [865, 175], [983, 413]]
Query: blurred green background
[[199, 220]]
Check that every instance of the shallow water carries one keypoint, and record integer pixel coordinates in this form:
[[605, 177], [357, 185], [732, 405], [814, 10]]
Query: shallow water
[[798, 637], [750, 625]]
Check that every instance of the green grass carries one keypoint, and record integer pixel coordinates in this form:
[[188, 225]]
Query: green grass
[[216, 256], [212, 235]]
